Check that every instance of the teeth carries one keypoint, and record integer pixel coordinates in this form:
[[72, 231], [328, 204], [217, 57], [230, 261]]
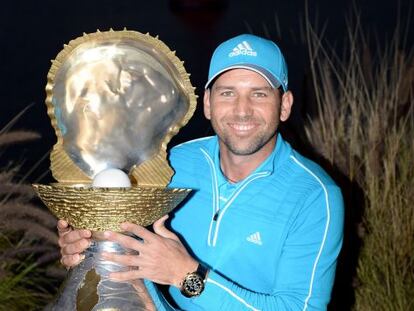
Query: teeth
[[242, 127]]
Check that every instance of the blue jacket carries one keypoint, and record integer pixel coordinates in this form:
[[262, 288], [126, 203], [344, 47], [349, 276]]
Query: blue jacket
[[271, 240]]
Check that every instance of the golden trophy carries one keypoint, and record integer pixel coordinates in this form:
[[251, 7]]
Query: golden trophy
[[115, 99]]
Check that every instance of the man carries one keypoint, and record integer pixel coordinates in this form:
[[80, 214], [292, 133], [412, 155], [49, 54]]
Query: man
[[263, 228]]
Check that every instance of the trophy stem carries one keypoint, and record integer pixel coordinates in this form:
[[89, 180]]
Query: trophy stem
[[88, 288]]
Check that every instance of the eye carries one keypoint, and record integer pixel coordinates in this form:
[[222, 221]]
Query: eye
[[259, 94], [227, 93]]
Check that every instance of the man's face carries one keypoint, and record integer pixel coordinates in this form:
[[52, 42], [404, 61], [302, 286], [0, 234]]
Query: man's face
[[245, 111]]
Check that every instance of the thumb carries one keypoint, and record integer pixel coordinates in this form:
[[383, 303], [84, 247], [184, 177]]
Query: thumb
[[63, 227], [160, 229]]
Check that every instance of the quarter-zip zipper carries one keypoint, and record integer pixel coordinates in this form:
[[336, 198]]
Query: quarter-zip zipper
[[218, 213], [214, 185]]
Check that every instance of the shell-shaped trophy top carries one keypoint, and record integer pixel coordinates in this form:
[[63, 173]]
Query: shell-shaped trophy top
[[115, 100]]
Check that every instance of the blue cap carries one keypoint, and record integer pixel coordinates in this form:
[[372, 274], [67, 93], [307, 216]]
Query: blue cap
[[250, 52]]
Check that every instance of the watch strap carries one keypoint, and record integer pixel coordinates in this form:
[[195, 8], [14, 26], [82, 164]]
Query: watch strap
[[202, 271]]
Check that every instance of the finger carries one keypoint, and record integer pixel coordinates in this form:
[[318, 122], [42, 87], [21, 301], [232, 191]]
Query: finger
[[124, 240], [125, 260], [63, 226], [139, 231], [76, 235], [71, 260], [126, 275], [75, 247], [160, 229]]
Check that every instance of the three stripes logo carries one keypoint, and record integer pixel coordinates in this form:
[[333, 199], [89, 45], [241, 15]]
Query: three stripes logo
[[243, 48], [255, 238]]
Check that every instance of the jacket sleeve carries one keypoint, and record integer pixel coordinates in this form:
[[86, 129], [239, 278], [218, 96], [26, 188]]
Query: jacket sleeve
[[305, 270]]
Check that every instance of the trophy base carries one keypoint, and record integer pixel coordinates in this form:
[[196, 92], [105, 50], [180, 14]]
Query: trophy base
[[88, 288]]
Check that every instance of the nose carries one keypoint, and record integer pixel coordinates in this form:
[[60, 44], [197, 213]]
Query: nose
[[243, 106]]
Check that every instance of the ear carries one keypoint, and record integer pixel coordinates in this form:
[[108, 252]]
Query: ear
[[206, 101], [286, 105]]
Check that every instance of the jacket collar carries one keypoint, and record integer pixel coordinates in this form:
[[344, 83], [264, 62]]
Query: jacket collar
[[279, 154]]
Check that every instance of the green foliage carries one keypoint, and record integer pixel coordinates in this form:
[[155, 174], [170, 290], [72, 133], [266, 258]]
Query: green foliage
[[19, 289], [364, 126], [29, 274]]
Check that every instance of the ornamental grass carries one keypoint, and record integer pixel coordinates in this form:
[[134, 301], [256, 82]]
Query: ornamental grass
[[364, 127], [29, 273]]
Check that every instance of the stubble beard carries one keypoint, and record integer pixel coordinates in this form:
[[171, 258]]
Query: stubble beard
[[254, 143]]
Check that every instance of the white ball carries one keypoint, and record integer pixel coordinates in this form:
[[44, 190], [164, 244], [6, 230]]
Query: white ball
[[111, 178]]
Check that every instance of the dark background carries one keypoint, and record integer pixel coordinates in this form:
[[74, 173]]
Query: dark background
[[33, 32]]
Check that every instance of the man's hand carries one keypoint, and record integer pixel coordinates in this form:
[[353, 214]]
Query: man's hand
[[72, 243], [162, 258]]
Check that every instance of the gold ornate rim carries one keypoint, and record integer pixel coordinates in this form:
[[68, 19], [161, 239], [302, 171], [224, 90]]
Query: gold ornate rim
[[154, 172], [100, 209]]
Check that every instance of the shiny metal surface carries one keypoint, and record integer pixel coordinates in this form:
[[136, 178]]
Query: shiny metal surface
[[101, 209], [115, 99], [114, 103], [87, 286]]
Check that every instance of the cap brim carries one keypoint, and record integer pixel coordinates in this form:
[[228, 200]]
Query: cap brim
[[261, 71]]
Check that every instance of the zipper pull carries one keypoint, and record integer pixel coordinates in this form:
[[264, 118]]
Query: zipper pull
[[216, 215]]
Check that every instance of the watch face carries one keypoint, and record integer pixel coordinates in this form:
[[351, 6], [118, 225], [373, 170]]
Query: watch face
[[193, 285]]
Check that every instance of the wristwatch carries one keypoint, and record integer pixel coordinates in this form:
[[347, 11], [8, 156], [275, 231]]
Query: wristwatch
[[193, 283]]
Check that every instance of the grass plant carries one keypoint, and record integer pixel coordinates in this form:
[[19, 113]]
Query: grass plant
[[364, 128], [29, 274]]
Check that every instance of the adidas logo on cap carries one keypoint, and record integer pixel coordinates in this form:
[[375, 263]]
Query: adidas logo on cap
[[243, 48]]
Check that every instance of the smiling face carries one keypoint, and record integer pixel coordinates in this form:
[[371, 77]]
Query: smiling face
[[245, 112]]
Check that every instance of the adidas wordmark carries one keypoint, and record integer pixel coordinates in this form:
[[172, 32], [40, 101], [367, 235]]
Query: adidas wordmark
[[243, 48]]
